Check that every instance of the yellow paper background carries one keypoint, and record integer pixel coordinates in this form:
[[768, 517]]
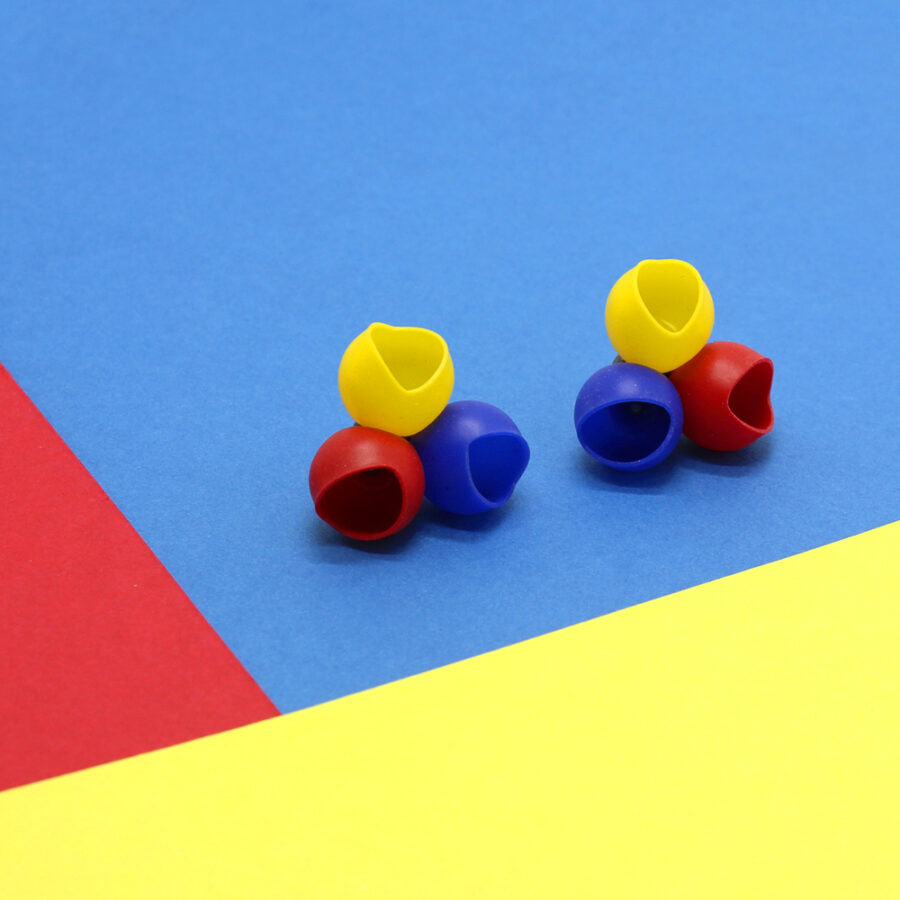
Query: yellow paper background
[[739, 739]]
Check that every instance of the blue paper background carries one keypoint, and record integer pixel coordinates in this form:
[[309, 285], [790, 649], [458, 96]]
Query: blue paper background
[[203, 203]]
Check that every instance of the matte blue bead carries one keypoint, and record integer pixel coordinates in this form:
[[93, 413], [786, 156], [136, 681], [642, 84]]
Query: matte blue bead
[[628, 416], [473, 455]]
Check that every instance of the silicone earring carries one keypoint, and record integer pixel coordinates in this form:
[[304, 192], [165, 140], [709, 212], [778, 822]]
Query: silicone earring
[[725, 392], [367, 484], [628, 417], [396, 379], [473, 455], [659, 314]]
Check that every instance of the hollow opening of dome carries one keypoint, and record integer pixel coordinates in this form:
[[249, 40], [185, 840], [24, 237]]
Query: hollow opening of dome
[[413, 355], [363, 503], [626, 432], [749, 398], [496, 463], [670, 290]]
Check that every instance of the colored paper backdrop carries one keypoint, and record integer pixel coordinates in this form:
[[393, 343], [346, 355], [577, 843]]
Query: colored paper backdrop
[[202, 204]]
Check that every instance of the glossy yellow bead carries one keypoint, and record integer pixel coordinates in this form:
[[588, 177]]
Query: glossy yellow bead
[[659, 314], [396, 379]]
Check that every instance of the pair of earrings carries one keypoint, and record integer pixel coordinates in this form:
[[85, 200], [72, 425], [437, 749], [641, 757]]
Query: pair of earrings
[[368, 481]]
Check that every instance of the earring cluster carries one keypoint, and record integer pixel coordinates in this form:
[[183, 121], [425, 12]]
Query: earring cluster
[[631, 414], [368, 481]]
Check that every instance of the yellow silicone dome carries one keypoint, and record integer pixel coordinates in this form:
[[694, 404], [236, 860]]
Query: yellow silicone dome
[[659, 314], [398, 379]]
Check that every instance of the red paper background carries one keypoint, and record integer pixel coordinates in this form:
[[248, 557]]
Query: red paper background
[[101, 653]]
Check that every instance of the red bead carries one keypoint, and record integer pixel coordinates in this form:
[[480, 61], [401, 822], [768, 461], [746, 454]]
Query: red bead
[[724, 390], [366, 484]]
